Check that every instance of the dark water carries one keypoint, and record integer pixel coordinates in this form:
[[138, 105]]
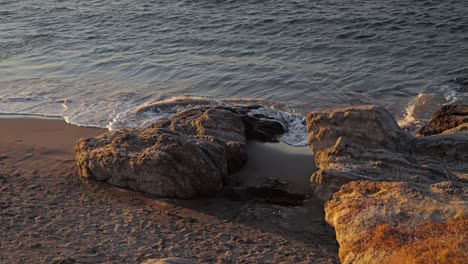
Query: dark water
[[94, 62]]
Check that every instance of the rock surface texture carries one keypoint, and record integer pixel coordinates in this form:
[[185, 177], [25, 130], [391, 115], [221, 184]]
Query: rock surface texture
[[191, 154], [390, 197], [448, 119]]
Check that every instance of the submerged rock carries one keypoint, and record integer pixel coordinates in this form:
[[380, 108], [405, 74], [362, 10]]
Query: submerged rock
[[191, 154], [448, 119]]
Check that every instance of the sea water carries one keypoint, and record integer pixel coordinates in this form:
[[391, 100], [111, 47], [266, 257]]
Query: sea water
[[127, 63]]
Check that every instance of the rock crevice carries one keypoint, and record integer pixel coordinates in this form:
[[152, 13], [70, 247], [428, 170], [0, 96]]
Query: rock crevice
[[191, 154], [378, 180]]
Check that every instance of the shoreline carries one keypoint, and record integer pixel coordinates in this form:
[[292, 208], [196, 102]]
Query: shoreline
[[49, 214]]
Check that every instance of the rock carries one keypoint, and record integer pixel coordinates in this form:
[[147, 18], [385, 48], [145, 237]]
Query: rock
[[160, 160], [365, 126], [262, 128], [222, 124], [399, 222], [191, 154], [363, 143], [463, 82], [394, 198], [449, 151], [172, 260], [449, 117], [273, 192]]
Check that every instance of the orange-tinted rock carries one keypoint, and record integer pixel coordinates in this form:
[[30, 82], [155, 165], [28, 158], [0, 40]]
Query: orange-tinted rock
[[396, 222]]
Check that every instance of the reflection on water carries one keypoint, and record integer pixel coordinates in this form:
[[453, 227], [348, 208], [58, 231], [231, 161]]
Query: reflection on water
[[91, 61]]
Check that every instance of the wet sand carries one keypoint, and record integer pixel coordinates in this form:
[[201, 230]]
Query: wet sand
[[48, 214]]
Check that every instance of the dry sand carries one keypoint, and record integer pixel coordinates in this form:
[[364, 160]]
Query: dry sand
[[49, 215]]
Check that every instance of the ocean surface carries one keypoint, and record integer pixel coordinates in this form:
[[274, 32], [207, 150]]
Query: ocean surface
[[127, 63]]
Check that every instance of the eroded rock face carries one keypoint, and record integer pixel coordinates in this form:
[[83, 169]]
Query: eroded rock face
[[449, 118], [222, 124], [394, 198], [190, 155], [154, 161], [399, 222], [362, 143]]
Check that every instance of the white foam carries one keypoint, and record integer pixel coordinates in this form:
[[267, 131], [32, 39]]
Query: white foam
[[151, 112], [420, 110], [296, 134]]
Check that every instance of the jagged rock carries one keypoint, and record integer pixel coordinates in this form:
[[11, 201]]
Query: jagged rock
[[365, 126], [172, 260], [190, 154], [395, 198], [448, 151], [449, 117], [362, 143], [222, 124], [274, 192], [154, 161], [399, 222], [160, 160]]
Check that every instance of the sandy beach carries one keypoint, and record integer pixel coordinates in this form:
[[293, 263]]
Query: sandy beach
[[50, 215]]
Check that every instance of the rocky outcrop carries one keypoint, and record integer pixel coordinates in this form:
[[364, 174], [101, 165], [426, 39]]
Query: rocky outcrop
[[399, 222], [362, 143], [448, 119], [392, 197], [191, 154]]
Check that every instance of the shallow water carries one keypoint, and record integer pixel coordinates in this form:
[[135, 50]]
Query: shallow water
[[95, 62]]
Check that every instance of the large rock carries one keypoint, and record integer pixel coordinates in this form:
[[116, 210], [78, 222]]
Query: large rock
[[222, 124], [394, 198], [190, 155], [449, 117], [154, 161], [396, 222], [362, 143]]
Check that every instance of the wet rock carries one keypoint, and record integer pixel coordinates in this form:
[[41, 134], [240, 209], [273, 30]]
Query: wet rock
[[262, 128], [463, 82], [172, 260], [273, 192], [449, 117], [396, 222]]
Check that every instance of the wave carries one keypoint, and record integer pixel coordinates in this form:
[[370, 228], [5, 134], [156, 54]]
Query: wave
[[152, 112], [420, 110]]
